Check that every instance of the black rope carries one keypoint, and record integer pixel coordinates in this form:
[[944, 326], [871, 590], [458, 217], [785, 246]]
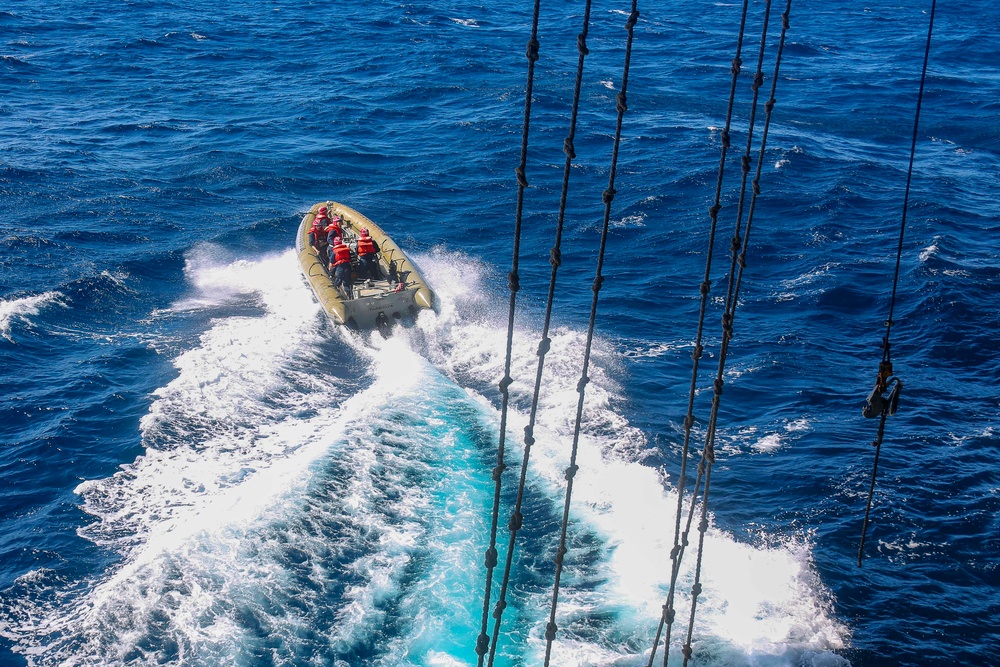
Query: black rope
[[483, 642], [608, 197], [676, 553], [888, 405], [737, 266], [555, 261], [738, 241]]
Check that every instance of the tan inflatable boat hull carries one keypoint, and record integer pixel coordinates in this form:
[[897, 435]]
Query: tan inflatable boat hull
[[373, 305]]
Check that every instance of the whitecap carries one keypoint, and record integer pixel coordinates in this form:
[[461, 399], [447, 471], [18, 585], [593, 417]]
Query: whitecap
[[24, 308], [635, 220], [930, 251]]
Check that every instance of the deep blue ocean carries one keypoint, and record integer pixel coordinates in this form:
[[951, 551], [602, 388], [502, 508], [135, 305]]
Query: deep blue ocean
[[197, 468]]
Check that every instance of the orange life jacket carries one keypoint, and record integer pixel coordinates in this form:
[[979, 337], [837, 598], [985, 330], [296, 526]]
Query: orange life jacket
[[318, 237], [341, 254], [365, 246]]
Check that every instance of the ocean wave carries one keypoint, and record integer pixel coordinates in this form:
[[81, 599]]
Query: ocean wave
[[23, 309]]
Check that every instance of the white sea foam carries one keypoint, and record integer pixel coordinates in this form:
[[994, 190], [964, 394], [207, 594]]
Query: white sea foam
[[635, 220], [805, 283], [22, 309], [764, 601], [929, 251], [271, 506]]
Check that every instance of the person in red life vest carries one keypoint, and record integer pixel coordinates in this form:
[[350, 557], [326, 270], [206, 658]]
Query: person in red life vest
[[318, 240], [367, 264], [322, 220], [333, 230], [340, 266]]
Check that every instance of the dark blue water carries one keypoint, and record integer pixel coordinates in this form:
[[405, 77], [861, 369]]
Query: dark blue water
[[198, 469]]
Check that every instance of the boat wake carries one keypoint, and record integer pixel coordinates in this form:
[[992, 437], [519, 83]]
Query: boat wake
[[304, 498]]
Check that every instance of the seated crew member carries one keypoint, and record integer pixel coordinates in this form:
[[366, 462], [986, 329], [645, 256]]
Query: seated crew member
[[318, 240], [367, 264], [340, 266]]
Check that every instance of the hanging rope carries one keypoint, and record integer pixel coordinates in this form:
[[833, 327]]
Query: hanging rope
[[884, 398], [667, 618], [555, 260], [608, 196], [483, 642], [732, 300]]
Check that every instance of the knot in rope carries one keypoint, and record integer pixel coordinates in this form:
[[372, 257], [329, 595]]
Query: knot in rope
[[555, 258], [620, 102], [529, 438], [698, 349], [758, 80], [735, 243], [633, 18], [714, 211], [688, 421], [544, 345], [581, 385], [550, 631], [516, 521], [560, 553], [727, 325], [769, 105], [717, 386], [513, 281], [745, 162], [522, 180], [609, 195], [581, 44], [737, 62], [725, 138], [504, 383], [598, 282], [499, 608], [532, 50], [482, 644], [491, 558], [571, 472], [568, 148], [498, 470]]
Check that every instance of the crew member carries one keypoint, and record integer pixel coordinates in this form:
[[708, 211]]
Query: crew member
[[340, 266], [318, 240], [333, 230], [367, 264]]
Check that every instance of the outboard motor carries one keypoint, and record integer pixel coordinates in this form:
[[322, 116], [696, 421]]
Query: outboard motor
[[383, 326]]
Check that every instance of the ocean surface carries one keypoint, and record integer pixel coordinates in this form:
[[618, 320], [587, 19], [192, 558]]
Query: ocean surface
[[197, 468]]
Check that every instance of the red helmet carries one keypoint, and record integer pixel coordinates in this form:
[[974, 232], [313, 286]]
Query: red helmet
[[323, 210]]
